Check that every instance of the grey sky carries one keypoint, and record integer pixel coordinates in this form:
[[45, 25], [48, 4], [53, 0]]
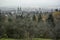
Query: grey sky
[[30, 3]]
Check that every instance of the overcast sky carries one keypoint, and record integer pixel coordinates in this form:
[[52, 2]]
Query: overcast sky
[[30, 3]]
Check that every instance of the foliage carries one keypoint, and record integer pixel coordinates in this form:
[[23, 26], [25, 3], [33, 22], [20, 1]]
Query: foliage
[[24, 27]]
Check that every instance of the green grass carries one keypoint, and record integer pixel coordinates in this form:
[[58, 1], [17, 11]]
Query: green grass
[[40, 39], [9, 39], [22, 39]]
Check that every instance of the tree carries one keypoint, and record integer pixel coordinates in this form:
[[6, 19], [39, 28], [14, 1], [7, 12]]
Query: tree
[[50, 21], [56, 9], [39, 18]]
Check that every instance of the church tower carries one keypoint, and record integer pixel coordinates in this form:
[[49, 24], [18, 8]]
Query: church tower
[[19, 11]]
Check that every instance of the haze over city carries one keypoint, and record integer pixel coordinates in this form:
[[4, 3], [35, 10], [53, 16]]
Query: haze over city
[[31, 3]]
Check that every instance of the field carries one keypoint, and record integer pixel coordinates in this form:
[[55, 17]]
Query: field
[[22, 39]]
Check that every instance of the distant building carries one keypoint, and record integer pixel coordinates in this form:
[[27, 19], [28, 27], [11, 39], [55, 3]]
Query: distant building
[[19, 11]]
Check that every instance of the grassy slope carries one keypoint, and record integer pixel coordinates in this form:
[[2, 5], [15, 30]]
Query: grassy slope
[[40, 39], [21, 39]]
